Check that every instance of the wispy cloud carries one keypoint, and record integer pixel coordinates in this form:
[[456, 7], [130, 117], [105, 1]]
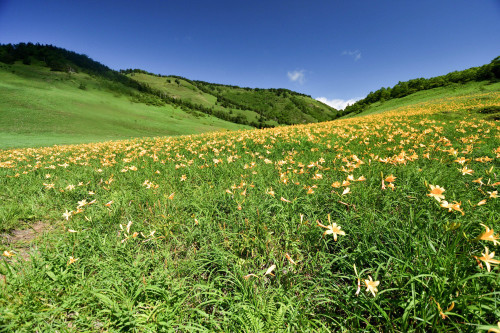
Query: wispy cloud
[[355, 54], [297, 76], [338, 104]]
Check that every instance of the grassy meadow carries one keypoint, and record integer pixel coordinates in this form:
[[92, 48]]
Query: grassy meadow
[[387, 222], [43, 108], [453, 90], [268, 107], [186, 91]]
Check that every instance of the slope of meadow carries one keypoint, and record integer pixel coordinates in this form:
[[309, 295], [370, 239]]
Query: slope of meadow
[[387, 222], [463, 90], [41, 108], [483, 78], [259, 107], [184, 90], [245, 106]]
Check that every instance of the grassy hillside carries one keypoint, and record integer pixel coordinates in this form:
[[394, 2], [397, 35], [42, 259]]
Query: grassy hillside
[[258, 107], [254, 107], [439, 86], [454, 90], [187, 95], [280, 105], [39, 107], [382, 223]]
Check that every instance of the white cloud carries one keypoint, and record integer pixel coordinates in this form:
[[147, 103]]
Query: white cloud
[[355, 54], [338, 104], [297, 76]]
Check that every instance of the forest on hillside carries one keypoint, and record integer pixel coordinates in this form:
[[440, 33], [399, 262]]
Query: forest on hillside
[[488, 72]]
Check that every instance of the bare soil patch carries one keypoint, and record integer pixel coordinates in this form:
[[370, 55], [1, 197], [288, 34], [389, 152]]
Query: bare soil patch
[[20, 240]]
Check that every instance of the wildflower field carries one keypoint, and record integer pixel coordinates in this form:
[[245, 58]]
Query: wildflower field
[[388, 222]]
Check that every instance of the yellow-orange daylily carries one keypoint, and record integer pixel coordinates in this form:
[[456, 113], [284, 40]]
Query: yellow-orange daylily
[[488, 258], [333, 228], [436, 192], [290, 259], [489, 235], [462, 160], [82, 203], [336, 184], [484, 159], [452, 206], [67, 214], [372, 285], [390, 179], [466, 171], [479, 181], [72, 260]]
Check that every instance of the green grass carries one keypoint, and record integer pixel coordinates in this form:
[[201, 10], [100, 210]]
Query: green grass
[[285, 107], [208, 198], [453, 90], [184, 90], [274, 107], [40, 108]]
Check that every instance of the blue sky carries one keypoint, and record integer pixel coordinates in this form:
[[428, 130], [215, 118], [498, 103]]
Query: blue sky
[[337, 50]]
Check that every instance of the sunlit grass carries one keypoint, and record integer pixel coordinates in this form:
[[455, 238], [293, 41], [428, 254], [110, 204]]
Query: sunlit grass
[[42, 108], [468, 89], [386, 222]]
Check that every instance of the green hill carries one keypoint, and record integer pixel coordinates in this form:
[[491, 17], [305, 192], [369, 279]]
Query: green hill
[[39, 107], [459, 83], [253, 106], [33, 69], [454, 90], [185, 94]]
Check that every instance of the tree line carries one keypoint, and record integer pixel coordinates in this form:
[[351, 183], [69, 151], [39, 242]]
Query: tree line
[[488, 72]]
